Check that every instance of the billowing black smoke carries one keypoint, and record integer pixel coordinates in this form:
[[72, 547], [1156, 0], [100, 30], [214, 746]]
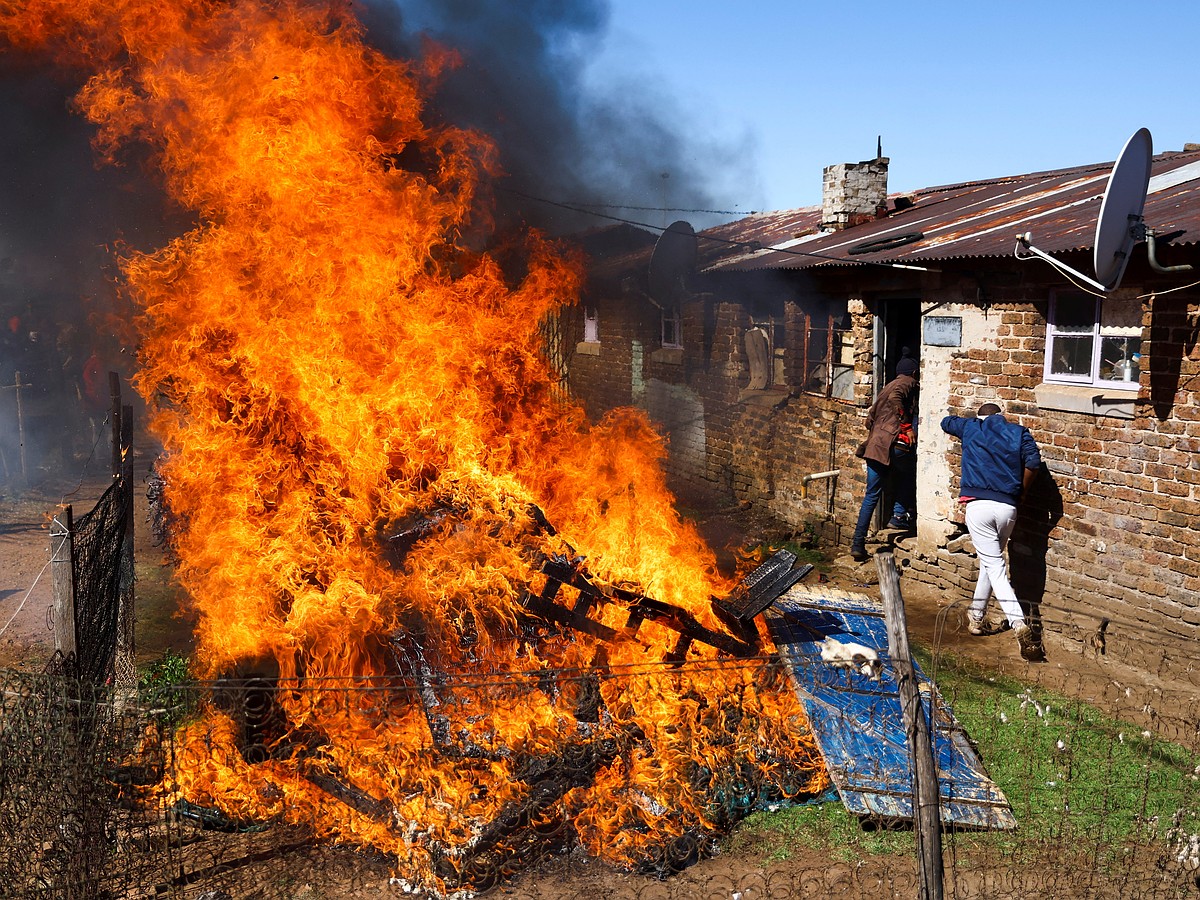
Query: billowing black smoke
[[563, 147], [522, 81]]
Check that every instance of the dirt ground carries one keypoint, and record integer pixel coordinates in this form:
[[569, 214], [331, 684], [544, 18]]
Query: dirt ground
[[934, 620], [26, 590]]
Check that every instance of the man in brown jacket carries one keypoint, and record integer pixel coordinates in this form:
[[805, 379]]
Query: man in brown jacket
[[891, 451]]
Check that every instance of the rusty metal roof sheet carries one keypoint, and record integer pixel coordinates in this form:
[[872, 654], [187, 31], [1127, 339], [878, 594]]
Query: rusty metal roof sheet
[[972, 219]]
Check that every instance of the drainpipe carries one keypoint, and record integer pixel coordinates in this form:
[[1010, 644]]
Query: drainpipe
[[816, 476]]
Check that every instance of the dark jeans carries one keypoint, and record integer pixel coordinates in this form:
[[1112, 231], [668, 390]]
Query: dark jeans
[[903, 475]]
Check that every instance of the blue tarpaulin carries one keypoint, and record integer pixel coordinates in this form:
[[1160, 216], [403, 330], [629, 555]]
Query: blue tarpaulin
[[857, 721]]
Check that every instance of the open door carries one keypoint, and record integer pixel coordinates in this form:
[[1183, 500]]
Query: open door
[[897, 329]]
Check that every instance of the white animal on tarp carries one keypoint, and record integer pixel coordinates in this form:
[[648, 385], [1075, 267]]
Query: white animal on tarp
[[849, 655]]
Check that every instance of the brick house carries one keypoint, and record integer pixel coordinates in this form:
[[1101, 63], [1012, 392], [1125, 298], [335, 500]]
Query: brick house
[[759, 351]]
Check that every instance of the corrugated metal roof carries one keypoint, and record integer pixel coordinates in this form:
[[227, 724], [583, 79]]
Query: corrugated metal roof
[[973, 219]]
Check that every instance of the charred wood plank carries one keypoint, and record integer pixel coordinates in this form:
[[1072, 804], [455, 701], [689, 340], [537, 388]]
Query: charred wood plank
[[377, 810], [549, 611], [679, 619], [762, 587]]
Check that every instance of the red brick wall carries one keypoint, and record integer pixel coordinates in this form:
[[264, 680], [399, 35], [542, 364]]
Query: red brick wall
[[1113, 530], [758, 447]]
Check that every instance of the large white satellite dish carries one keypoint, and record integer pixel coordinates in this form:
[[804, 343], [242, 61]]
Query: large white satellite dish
[[1121, 208], [1119, 225]]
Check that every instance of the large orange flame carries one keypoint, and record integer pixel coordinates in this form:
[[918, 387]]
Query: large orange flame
[[328, 354]]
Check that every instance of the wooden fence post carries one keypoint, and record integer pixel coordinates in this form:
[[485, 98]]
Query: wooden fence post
[[21, 429], [114, 395], [62, 561], [927, 819], [124, 669]]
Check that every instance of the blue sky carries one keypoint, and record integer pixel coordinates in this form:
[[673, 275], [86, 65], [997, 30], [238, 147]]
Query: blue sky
[[958, 91]]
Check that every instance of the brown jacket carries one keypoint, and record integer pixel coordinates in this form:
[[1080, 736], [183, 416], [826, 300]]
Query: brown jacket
[[896, 404]]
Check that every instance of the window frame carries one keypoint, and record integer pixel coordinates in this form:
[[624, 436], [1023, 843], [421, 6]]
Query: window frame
[[591, 322], [1093, 379], [673, 315]]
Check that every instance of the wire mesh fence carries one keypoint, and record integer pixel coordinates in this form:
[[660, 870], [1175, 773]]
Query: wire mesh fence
[[234, 786]]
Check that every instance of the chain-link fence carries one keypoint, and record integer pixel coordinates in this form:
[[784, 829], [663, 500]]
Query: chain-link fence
[[235, 787]]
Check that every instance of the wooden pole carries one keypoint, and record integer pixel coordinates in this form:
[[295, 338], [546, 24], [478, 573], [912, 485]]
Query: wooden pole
[[114, 394], [927, 819], [21, 427], [124, 670], [62, 569]]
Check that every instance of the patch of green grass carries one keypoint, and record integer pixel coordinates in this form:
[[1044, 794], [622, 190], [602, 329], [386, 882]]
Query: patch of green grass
[[1075, 779], [1070, 772], [826, 827]]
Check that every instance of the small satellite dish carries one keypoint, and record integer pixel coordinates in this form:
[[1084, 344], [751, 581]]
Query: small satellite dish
[[1119, 225], [673, 263]]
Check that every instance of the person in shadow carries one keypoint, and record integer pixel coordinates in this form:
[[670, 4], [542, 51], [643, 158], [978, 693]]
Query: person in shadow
[[890, 453], [1000, 460]]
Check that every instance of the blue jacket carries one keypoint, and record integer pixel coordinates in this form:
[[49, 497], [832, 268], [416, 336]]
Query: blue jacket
[[995, 453]]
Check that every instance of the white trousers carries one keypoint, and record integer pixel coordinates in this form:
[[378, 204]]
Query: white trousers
[[990, 524]]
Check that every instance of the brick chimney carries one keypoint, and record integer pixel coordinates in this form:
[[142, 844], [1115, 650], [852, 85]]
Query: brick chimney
[[853, 193]]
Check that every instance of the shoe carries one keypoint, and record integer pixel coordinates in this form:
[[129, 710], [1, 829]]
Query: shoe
[[977, 626], [859, 552], [901, 523], [1031, 648]]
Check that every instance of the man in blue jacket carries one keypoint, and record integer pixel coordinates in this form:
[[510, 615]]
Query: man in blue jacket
[[1000, 459]]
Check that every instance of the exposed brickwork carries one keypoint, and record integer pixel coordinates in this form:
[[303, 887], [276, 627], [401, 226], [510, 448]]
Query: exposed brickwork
[[1112, 530]]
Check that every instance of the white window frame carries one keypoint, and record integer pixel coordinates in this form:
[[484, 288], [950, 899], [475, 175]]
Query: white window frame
[[672, 327], [591, 325], [1097, 335]]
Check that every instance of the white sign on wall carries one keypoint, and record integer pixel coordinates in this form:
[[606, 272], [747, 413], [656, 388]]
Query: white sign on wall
[[942, 331]]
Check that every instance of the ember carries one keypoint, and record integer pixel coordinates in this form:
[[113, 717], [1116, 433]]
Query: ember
[[365, 453]]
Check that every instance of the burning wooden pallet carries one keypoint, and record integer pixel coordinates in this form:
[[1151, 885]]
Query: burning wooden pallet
[[757, 592], [562, 598]]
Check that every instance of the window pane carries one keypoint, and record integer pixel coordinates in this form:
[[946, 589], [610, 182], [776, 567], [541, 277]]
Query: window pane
[[670, 328], [1074, 314], [1072, 356], [1120, 358], [1122, 317]]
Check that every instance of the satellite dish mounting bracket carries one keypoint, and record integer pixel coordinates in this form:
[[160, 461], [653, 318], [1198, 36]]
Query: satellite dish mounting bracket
[[1119, 224], [1026, 250], [1152, 256]]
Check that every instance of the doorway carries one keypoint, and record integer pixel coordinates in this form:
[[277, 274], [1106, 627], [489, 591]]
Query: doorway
[[897, 334]]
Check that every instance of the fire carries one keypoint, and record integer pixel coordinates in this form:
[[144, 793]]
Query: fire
[[332, 354]]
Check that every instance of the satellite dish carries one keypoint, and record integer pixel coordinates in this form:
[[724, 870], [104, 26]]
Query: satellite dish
[[1119, 225], [1121, 209], [673, 263]]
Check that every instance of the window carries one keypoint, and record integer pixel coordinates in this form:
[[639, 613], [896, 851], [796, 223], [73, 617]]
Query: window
[[672, 333], [591, 325], [1093, 341], [826, 357]]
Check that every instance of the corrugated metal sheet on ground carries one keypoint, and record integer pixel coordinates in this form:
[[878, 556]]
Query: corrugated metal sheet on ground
[[858, 724]]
